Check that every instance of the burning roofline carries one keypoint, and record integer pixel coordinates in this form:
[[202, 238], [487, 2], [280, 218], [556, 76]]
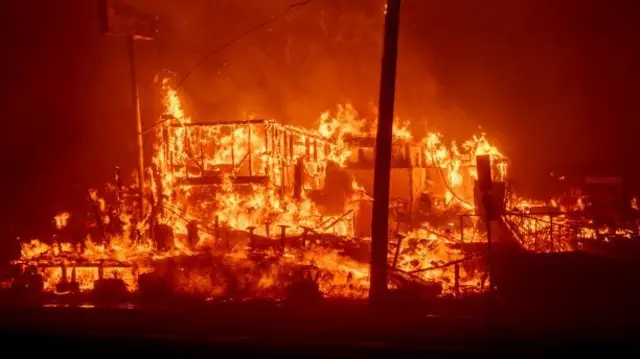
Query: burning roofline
[[296, 129]]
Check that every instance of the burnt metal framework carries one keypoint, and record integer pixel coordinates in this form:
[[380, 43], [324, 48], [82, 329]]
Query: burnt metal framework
[[539, 232], [248, 153], [546, 234], [251, 151]]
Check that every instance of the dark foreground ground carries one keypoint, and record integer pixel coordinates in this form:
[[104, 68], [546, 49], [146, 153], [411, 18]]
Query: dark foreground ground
[[330, 329]]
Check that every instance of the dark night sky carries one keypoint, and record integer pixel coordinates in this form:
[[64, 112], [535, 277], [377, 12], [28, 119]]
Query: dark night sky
[[555, 83]]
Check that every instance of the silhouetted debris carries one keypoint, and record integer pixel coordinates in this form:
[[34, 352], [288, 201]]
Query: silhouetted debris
[[30, 282], [305, 288], [112, 290], [152, 286]]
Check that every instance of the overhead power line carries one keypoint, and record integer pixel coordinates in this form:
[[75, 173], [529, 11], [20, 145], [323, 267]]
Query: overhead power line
[[289, 9]]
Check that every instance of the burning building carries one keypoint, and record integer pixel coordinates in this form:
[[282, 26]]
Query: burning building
[[257, 209]]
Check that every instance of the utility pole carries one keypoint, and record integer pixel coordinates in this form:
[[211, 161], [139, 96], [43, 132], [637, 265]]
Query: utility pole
[[120, 18], [136, 105], [384, 137]]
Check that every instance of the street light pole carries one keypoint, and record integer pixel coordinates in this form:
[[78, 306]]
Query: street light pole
[[384, 137], [136, 106]]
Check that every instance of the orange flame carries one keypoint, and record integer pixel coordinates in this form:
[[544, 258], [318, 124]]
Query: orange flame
[[185, 152]]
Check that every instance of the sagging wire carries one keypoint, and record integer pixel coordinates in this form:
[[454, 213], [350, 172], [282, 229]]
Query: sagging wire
[[165, 118], [289, 9], [233, 40]]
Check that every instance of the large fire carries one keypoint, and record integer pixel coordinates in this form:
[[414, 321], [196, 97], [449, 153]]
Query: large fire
[[246, 209]]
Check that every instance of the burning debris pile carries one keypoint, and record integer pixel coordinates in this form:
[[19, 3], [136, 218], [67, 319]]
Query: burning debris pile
[[256, 209]]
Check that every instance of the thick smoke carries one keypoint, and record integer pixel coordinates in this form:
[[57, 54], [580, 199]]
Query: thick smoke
[[322, 54]]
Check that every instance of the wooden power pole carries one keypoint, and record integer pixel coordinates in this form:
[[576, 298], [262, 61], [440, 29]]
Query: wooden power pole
[[118, 17], [131, 46], [382, 171]]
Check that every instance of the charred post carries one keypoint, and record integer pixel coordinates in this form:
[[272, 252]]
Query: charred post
[[283, 237], [485, 183]]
